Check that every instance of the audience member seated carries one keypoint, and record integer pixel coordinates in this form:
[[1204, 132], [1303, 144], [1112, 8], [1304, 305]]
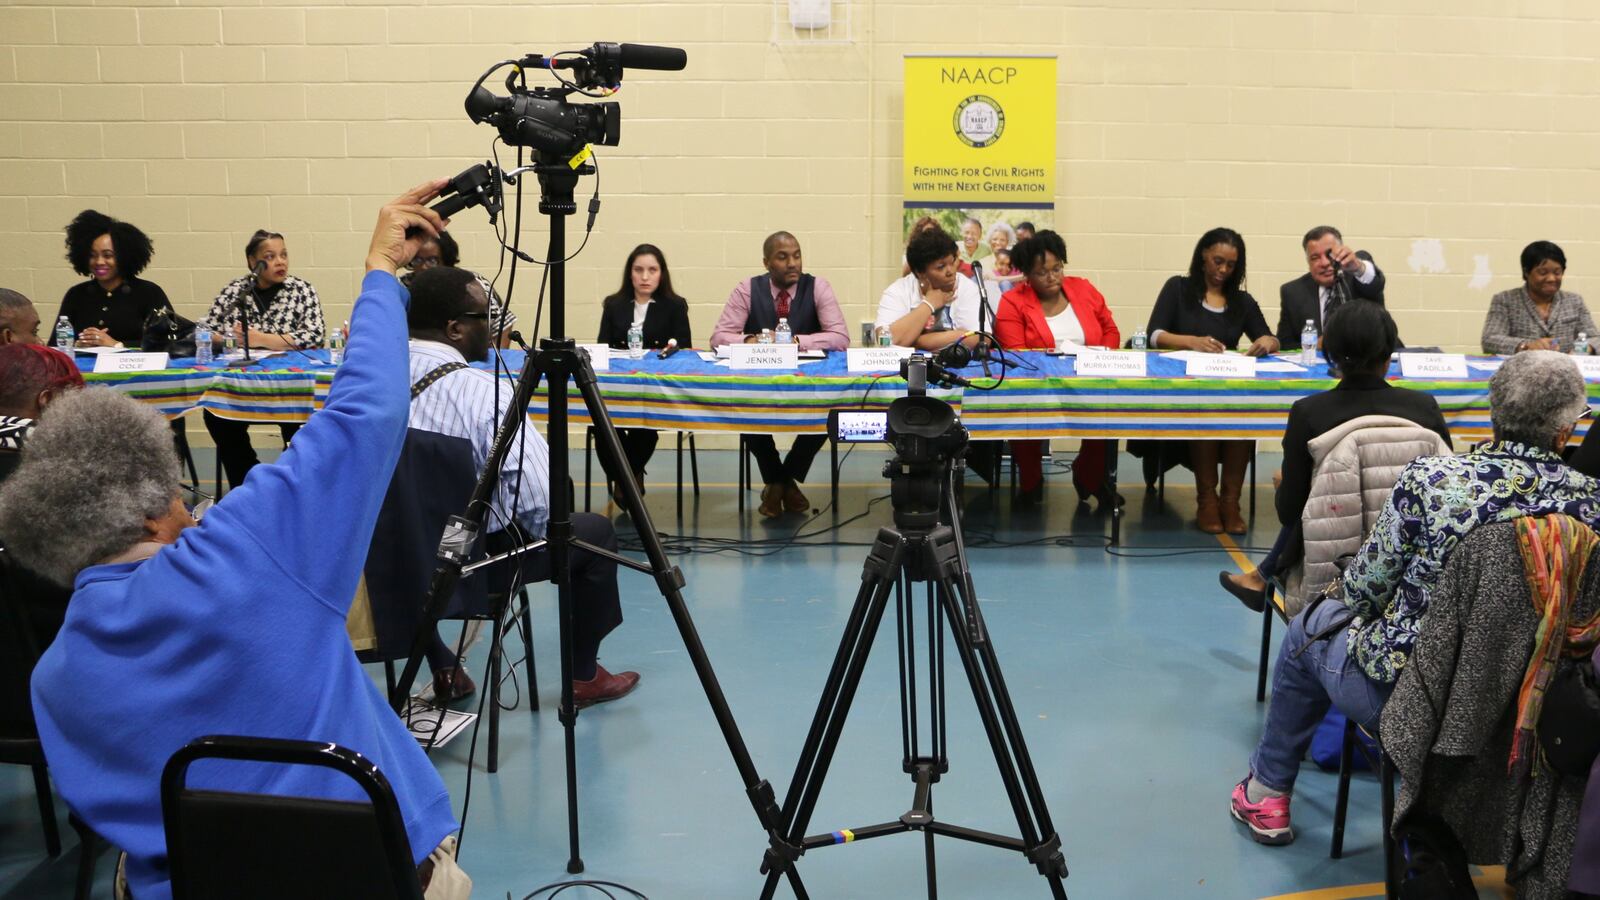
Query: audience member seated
[[234, 626], [1207, 311], [1349, 653], [1336, 275], [755, 305], [446, 252], [284, 314], [31, 376], [1359, 339], [19, 320], [1539, 315], [1046, 310], [449, 322], [109, 309], [1470, 718], [646, 299]]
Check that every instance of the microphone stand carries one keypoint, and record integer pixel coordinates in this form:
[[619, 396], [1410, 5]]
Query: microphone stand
[[985, 319], [245, 301]]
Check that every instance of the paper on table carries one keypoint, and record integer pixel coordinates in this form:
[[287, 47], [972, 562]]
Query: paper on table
[[813, 354], [707, 355], [1278, 365], [1485, 365], [96, 351], [1069, 347]]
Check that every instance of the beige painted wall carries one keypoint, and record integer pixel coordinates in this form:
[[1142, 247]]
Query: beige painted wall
[[203, 121]]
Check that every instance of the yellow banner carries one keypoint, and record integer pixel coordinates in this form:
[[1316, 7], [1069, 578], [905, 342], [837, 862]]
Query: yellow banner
[[980, 131]]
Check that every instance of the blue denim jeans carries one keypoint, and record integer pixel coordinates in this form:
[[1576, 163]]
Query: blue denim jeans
[[1310, 675]]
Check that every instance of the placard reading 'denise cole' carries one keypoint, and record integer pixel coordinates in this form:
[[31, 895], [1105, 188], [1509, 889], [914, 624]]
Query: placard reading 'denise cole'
[[765, 356], [1433, 365], [130, 362], [1109, 364]]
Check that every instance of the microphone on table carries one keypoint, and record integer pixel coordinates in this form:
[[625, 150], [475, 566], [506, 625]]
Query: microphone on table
[[983, 304], [516, 338], [672, 347]]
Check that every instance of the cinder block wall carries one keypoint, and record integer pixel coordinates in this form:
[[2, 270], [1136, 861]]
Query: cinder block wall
[[1441, 142]]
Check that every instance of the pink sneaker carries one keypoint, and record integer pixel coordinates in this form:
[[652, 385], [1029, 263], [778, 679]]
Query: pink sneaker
[[1268, 820]]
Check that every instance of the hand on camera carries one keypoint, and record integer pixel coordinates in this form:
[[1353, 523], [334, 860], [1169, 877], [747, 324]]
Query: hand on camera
[[391, 247]]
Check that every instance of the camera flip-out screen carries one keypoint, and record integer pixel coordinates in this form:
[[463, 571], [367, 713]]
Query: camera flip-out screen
[[854, 426]]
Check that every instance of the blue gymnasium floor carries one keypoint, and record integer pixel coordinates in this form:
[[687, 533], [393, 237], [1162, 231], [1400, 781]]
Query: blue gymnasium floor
[[1133, 680]]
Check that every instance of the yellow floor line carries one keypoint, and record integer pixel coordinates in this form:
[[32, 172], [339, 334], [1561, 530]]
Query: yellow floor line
[[1239, 559], [1493, 879]]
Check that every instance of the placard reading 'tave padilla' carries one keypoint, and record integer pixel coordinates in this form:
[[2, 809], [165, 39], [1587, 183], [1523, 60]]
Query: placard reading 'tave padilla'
[[764, 356], [1433, 365]]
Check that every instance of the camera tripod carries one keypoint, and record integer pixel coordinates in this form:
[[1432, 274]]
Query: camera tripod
[[920, 550], [557, 360]]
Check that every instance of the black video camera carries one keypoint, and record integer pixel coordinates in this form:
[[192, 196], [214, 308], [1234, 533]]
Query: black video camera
[[541, 117]]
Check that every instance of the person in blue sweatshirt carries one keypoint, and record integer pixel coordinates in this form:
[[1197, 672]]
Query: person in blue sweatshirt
[[232, 626]]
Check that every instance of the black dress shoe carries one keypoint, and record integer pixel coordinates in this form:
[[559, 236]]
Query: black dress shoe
[[1255, 600], [1030, 498]]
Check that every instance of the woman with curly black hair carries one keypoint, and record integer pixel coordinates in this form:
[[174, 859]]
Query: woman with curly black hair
[[111, 307]]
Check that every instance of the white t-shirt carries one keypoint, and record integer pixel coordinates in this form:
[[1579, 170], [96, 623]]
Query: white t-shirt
[[1065, 326], [639, 311], [901, 296]]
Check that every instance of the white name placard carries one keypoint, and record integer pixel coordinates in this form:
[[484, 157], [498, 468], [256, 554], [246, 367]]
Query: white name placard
[[130, 362], [599, 356], [1433, 365], [875, 359], [1589, 366], [1220, 365], [765, 356], [1109, 364]]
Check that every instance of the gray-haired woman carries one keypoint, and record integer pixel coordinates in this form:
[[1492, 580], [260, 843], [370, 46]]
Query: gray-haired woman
[[234, 626], [1350, 654]]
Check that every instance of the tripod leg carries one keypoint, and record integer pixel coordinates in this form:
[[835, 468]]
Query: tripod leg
[[669, 581], [878, 577], [995, 710]]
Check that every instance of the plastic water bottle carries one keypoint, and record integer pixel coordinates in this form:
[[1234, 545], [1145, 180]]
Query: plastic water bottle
[[1581, 345], [336, 346], [230, 344], [765, 337], [783, 335], [65, 335], [202, 344], [884, 335], [1308, 343], [1141, 341], [635, 341]]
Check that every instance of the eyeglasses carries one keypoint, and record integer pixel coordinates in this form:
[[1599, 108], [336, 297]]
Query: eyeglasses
[[472, 315], [425, 262]]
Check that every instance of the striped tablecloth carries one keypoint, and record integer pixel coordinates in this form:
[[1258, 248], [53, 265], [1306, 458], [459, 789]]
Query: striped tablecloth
[[1040, 397]]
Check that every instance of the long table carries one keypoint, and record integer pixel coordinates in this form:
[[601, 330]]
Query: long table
[[1039, 397]]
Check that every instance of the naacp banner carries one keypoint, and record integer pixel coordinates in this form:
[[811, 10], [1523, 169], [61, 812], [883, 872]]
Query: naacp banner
[[980, 147]]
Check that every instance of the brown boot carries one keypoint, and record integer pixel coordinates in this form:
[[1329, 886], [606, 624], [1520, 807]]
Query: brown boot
[[1207, 517], [1235, 460]]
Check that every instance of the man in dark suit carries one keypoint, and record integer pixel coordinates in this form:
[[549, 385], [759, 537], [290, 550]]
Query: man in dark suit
[[1337, 274]]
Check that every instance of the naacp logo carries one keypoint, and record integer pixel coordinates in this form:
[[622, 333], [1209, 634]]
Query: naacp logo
[[979, 121]]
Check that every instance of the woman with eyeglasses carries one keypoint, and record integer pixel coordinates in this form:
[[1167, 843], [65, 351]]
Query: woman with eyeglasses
[[1048, 309], [444, 251], [283, 312]]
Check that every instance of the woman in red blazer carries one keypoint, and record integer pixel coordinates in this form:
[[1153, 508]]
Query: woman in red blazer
[[1041, 311]]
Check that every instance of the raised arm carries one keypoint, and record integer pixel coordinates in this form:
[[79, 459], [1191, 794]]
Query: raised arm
[[312, 512]]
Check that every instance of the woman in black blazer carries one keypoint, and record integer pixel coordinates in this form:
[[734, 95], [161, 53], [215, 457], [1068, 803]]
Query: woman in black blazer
[[646, 294]]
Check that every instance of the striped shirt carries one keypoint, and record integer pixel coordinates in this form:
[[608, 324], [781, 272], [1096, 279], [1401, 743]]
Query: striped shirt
[[463, 404]]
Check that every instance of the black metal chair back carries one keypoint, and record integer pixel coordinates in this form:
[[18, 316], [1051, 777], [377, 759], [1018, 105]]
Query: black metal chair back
[[244, 846]]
